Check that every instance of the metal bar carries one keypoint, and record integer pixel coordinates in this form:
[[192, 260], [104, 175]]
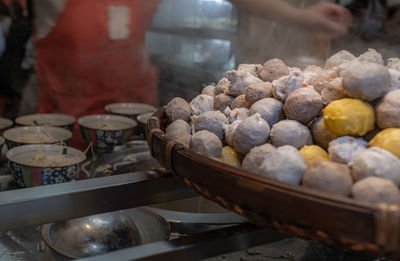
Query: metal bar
[[197, 247], [194, 223], [52, 203]]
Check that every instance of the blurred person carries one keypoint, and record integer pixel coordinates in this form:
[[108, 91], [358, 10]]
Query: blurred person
[[13, 77], [299, 32], [92, 53], [4, 26], [324, 20]]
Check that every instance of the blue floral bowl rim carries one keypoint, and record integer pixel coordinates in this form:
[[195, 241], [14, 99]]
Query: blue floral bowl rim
[[111, 108], [35, 148], [27, 120], [67, 133], [130, 121]]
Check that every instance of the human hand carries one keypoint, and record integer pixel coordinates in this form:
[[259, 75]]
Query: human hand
[[325, 20]]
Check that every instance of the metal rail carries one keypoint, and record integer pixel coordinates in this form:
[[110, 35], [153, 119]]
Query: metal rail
[[52, 203]]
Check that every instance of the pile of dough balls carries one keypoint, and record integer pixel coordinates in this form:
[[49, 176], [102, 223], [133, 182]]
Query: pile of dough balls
[[334, 129]]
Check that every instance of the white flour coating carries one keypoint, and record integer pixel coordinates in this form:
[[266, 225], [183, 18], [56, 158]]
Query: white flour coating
[[346, 148], [285, 164]]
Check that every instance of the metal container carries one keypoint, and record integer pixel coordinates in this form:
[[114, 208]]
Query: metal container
[[98, 234]]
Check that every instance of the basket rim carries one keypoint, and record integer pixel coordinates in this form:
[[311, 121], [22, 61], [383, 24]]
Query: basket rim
[[378, 225]]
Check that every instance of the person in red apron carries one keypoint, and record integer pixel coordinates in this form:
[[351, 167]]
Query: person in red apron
[[95, 55]]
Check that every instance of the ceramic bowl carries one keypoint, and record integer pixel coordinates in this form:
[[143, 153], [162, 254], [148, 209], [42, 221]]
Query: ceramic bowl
[[106, 131], [131, 110], [5, 124], [36, 165], [36, 135], [142, 119], [50, 119]]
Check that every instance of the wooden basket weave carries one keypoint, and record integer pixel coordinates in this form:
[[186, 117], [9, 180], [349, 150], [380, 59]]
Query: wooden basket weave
[[300, 211]]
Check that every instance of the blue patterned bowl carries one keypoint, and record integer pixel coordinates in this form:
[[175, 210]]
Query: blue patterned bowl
[[36, 135], [47, 119], [106, 131], [36, 165], [129, 109]]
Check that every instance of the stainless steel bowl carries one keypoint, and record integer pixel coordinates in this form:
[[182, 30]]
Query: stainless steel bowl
[[98, 234]]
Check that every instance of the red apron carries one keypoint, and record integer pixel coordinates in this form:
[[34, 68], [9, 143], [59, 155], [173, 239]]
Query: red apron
[[81, 68]]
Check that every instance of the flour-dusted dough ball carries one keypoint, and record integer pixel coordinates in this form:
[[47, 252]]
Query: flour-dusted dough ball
[[393, 63], [236, 114], [221, 101], [349, 117], [270, 110], [213, 121], [177, 109], [209, 90], [388, 139], [322, 79], [310, 72], [321, 135], [388, 111], [290, 132], [313, 154], [282, 87], [230, 131], [303, 105], [376, 162], [333, 91], [346, 148], [254, 69], [251, 132], [202, 103], [273, 70], [329, 177], [258, 91], [374, 190], [177, 128], [239, 102], [231, 157], [371, 56], [366, 81], [183, 139], [222, 86], [394, 80], [239, 82], [253, 160], [206, 143], [338, 59], [285, 164]]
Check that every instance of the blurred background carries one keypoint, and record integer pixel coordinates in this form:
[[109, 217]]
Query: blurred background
[[193, 43]]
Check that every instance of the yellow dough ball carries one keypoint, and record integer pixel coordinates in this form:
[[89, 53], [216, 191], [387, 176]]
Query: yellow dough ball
[[314, 154], [231, 157], [349, 117], [388, 139]]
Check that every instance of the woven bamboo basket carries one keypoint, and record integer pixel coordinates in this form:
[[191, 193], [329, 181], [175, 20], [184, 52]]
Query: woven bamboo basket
[[303, 212]]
